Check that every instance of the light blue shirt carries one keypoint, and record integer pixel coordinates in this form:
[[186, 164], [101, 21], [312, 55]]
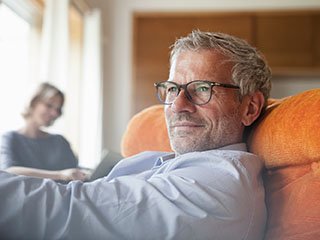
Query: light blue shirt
[[216, 194]]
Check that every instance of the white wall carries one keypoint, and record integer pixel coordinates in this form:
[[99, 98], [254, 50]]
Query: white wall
[[117, 27], [286, 86]]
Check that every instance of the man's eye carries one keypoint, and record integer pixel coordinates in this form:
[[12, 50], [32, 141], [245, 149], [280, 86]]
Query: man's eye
[[172, 89], [202, 89]]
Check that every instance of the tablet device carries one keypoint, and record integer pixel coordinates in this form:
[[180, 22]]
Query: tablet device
[[109, 159]]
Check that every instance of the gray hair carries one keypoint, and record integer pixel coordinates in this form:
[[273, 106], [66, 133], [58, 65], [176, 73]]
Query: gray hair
[[44, 92], [250, 71]]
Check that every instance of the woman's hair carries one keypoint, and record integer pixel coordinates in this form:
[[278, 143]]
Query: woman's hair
[[250, 71], [44, 92]]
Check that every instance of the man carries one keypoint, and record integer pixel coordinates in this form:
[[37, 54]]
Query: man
[[210, 188]]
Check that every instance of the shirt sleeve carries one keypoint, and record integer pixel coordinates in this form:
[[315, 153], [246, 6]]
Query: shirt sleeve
[[184, 203], [69, 160], [7, 153]]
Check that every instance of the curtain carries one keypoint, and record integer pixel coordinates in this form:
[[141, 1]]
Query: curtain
[[91, 91], [55, 43], [80, 80]]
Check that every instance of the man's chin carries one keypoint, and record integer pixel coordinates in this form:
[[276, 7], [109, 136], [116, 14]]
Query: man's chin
[[182, 147], [183, 134]]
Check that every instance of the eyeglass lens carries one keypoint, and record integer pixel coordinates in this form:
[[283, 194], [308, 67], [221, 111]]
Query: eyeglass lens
[[198, 92]]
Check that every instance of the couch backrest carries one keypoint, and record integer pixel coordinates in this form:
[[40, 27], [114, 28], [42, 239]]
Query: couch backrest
[[146, 131], [287, 138]]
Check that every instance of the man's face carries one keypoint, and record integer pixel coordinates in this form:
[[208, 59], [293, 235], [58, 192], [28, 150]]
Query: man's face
[[213, 125]]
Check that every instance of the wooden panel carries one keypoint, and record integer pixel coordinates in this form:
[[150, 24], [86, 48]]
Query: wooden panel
[[286, 40], [154, 35], [316, 41], [290, 40]]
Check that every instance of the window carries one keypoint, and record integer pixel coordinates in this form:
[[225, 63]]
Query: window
[[58, 42], [15, 33]]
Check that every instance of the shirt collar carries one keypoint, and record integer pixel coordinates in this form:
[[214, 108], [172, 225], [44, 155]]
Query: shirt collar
[[235, 147], [164, 158]]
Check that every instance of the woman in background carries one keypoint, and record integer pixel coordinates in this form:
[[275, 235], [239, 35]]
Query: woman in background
[[31, 151]]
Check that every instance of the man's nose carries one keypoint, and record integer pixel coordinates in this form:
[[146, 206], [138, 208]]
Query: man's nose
[[182, 103]]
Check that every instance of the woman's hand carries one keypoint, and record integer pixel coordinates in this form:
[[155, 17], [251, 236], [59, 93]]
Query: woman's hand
[[74, 174]]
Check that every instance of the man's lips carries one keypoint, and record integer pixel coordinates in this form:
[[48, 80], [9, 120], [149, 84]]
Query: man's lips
[[185, 124]]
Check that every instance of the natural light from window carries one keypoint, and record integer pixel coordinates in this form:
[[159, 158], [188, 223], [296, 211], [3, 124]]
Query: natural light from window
[[14, 70], [58, 43]]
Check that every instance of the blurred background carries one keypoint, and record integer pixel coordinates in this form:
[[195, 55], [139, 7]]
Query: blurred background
[[106, 54]]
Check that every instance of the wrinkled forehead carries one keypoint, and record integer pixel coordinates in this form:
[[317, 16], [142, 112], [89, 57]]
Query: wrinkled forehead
[[215, 52], [201, 64]]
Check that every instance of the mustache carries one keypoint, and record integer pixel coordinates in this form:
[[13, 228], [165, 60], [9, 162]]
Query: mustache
[[180, 117]]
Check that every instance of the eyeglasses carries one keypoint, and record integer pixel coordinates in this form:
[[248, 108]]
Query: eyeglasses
[[199, 92]]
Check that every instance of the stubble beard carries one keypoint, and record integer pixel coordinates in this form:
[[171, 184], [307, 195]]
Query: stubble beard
[[224, 131]]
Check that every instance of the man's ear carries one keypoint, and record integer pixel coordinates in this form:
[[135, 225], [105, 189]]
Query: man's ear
[[252, 106]]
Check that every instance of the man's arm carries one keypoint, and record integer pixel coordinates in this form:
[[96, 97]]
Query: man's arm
[[184, 203]]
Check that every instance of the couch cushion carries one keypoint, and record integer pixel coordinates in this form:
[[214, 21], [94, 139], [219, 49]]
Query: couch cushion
[[293, 202], [289, 132], [146, 131]]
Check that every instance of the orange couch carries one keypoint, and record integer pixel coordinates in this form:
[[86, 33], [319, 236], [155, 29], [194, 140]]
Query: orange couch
[[287, 138]]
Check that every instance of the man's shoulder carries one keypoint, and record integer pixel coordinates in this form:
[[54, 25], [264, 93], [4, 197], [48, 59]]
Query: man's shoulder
[[223, 158], [148, 154], [146, 157], [135, 164]]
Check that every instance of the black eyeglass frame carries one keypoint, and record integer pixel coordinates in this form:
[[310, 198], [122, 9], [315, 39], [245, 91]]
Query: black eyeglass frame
[[186, 92]]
